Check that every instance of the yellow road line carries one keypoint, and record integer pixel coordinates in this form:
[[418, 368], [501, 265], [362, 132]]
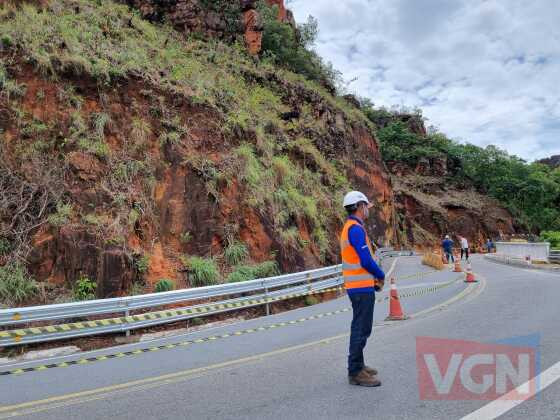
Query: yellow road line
[[12, 410], [20, 371]]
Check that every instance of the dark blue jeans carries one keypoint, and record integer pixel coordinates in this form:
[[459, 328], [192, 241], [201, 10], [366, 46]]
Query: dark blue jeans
[[362, 322]]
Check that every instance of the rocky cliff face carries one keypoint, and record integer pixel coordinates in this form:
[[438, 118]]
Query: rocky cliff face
[[129, 174], [428, 209], [181, 198], [430, 204], [222, 19]]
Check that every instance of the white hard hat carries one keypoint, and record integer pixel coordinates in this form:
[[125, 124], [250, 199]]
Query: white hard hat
[[355, 197], [446, 236]]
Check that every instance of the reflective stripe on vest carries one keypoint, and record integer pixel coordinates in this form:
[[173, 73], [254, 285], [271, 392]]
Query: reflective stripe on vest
[[355, 276], [346, 266]]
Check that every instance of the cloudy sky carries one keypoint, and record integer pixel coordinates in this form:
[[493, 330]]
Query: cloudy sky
[[483, 71]]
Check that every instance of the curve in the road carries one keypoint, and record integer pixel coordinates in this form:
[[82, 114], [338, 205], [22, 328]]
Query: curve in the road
[[419, 290], [103, 392], [142, 371]]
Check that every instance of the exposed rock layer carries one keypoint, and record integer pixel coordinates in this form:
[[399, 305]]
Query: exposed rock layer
[[181, 200], [553, 161], [225, 20]]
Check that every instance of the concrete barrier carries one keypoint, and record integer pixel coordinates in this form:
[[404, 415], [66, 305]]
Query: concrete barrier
[[434, 260], [520, 262], [506, 259], [538, 251]]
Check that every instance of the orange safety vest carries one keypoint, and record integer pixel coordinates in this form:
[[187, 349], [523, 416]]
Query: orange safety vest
[[355, 276]]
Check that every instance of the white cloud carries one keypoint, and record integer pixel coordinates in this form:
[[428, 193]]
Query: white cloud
[[484, 71]]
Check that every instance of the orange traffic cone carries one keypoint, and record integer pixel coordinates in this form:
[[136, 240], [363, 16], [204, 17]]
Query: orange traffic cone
[[395, 310], [457, 268], [470, 275]]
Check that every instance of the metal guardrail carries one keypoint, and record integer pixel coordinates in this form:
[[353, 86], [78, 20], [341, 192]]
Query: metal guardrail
[[261, 292], [554, 256], [129, 303], [128, 323]]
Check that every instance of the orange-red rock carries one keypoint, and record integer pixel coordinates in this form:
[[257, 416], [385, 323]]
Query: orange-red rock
[[86, 166], [253, 31], [192, 17], [282, 11]]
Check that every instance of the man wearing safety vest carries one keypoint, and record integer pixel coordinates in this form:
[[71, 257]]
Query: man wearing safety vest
[[362, 277]]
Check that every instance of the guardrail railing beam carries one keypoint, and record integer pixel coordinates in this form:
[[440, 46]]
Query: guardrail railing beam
[[262, 292]]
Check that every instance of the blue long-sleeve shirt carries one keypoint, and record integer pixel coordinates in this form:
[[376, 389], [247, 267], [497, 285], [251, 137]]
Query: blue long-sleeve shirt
[[357, 238], [447, 245]]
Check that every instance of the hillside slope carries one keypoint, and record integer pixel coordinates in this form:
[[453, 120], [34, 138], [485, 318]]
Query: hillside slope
[[428, 209], [433, 195], [129, 148], [150, 144]]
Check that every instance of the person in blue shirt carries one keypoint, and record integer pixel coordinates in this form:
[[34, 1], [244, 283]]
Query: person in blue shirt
[[447, 245], [362, 277]]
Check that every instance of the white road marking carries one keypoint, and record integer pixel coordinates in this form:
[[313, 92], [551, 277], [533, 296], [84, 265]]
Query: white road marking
[[392, 268], [502, 405]]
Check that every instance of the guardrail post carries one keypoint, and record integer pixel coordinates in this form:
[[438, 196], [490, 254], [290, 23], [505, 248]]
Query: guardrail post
[[127, 314], [266, 298]]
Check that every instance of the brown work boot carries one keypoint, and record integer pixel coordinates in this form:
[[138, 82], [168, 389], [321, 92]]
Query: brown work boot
[[371, 370], [363, 379]]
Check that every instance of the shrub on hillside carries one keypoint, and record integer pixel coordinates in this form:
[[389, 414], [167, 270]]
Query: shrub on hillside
[[553, 237], [251, 272], [62, 215], [311, 300], [235, 253], [202, 271], [142, 263], [284, 46], [164, 285], [16, 286], [136, 288], [399, 143], [84, 289], [5, 246]]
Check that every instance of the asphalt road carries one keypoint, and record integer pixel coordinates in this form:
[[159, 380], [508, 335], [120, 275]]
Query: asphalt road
[[293, 365]]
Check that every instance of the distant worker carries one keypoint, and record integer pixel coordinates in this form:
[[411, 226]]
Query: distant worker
[[362, 277], [447, 245], [489, 245], [464, 248]]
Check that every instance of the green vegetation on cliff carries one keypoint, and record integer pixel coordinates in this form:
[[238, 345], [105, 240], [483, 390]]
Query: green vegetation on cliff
[[283, 46], [106, 108], [531, 191], [553, 237]]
